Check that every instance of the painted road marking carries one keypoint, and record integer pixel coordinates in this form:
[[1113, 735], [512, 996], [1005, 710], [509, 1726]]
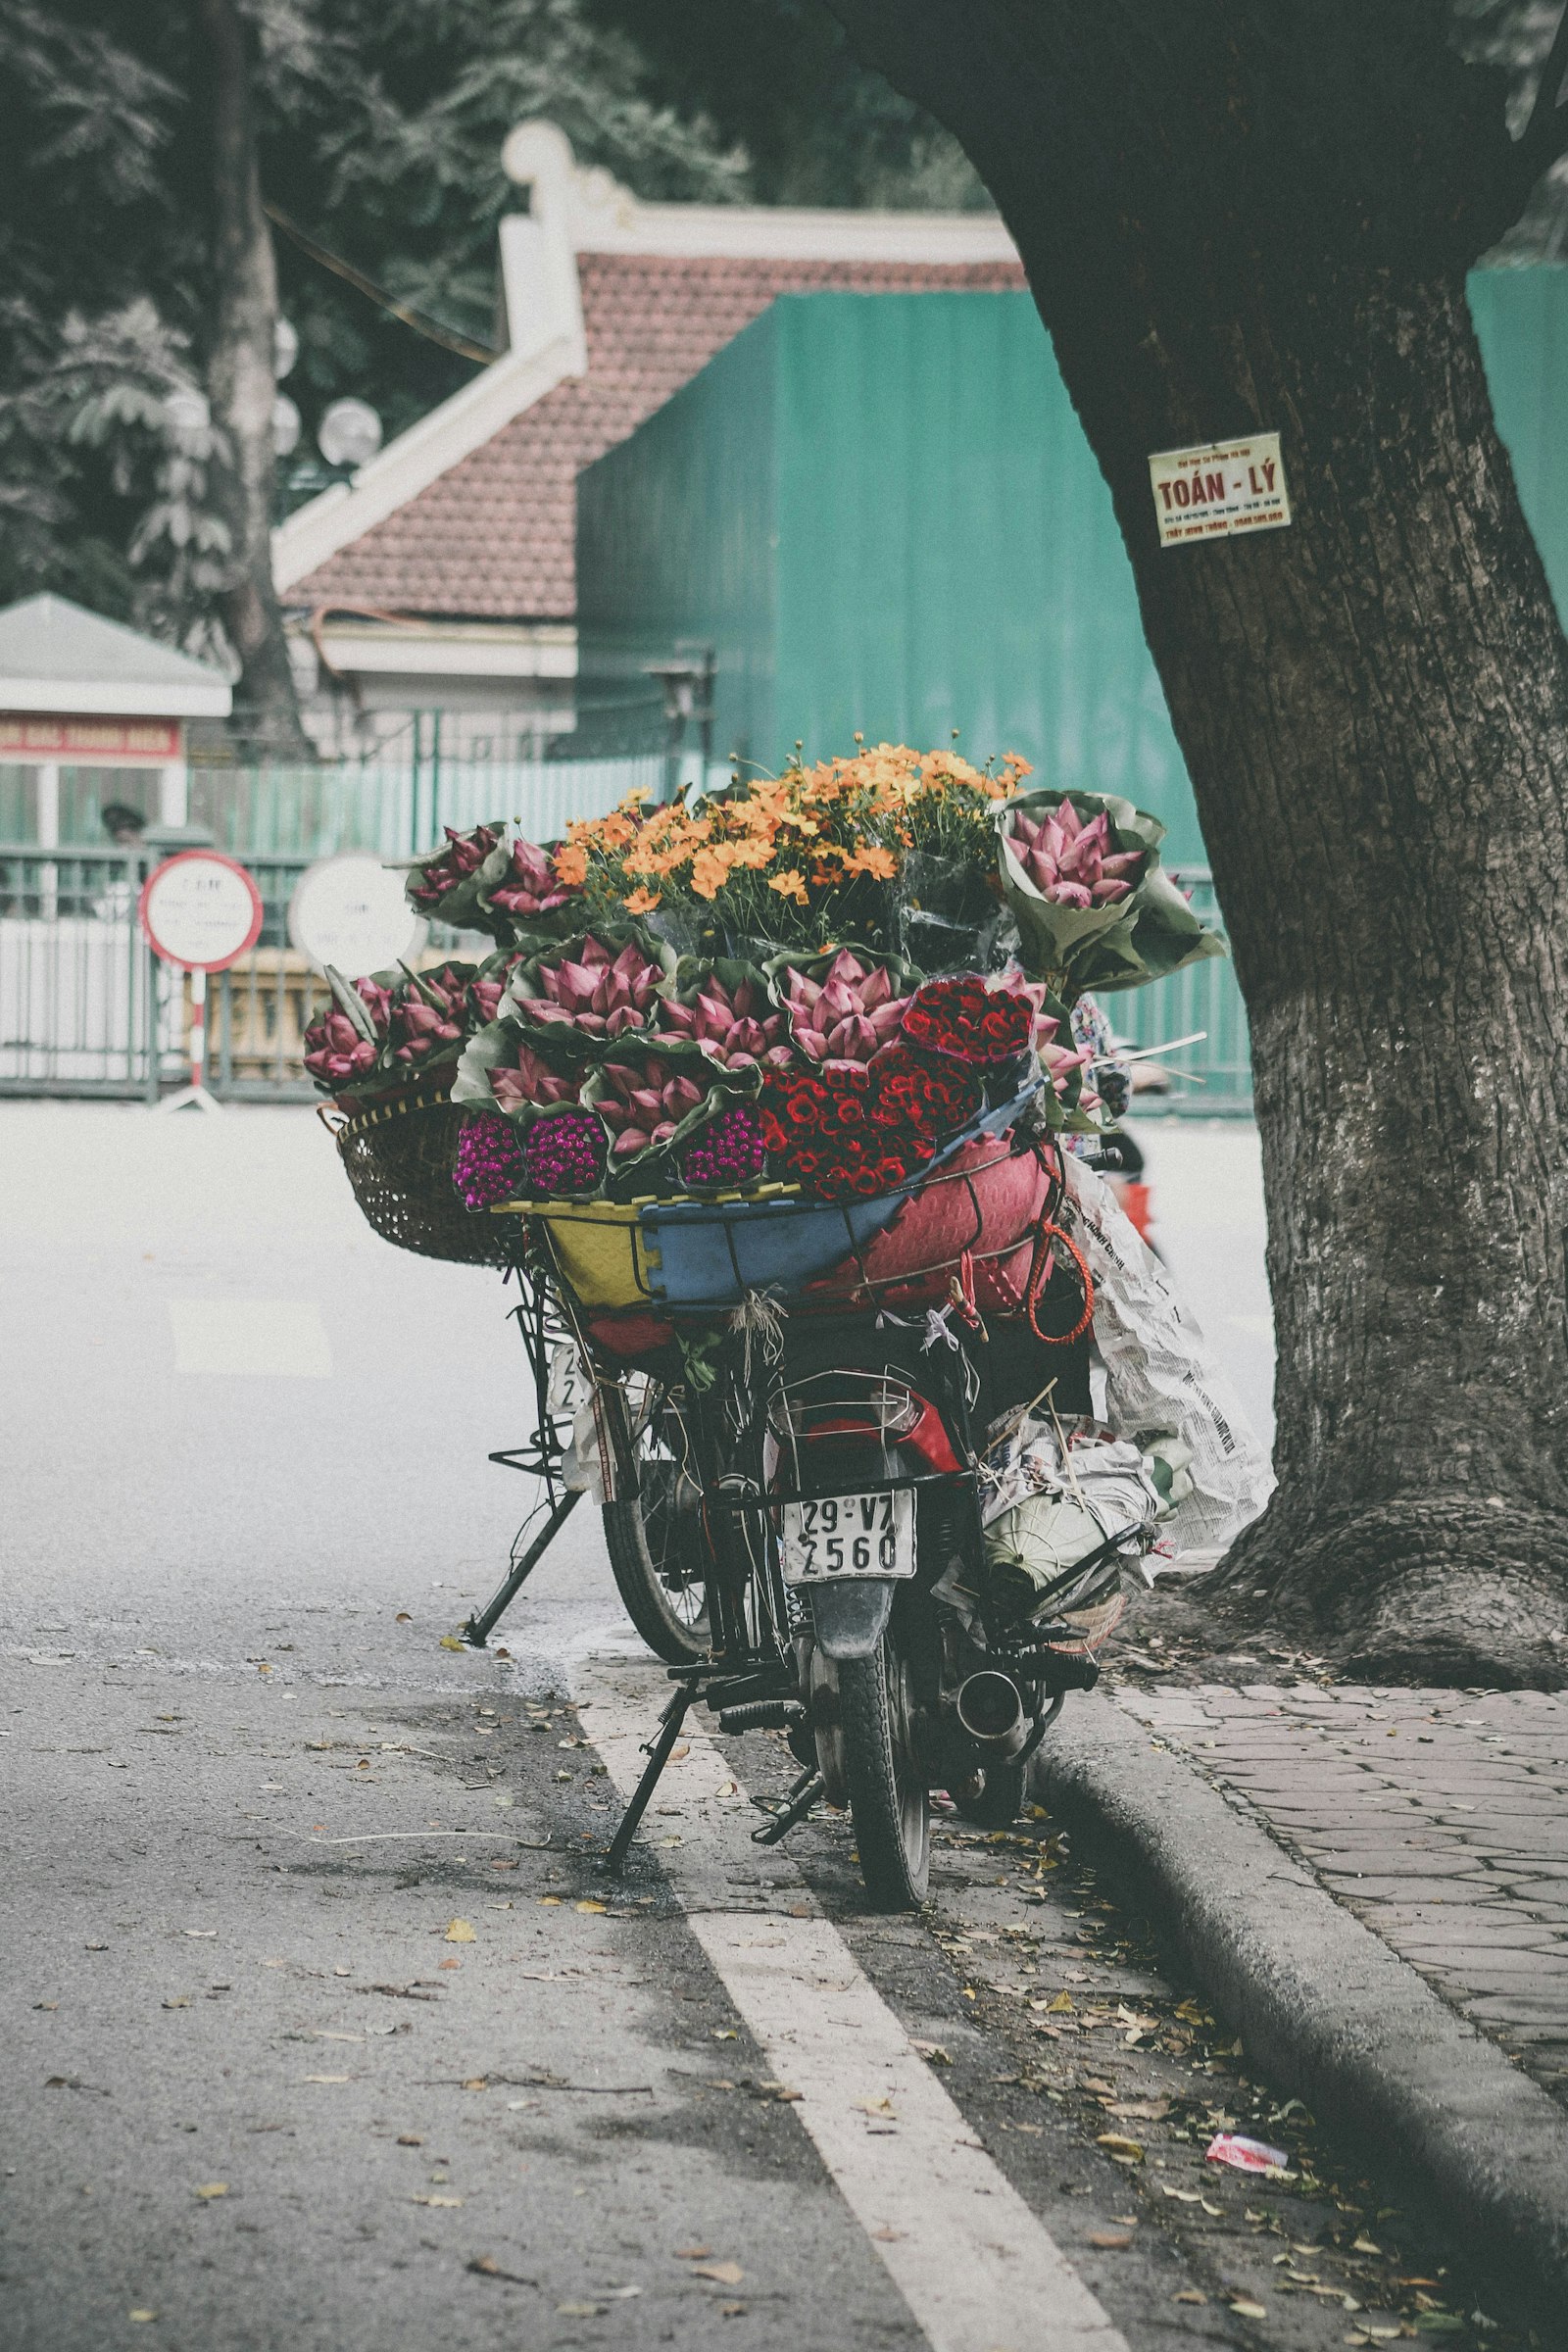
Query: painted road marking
[[278, 1338], [978, 2270]]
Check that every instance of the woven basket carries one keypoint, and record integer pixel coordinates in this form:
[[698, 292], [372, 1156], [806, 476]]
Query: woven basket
[[399, 1156]]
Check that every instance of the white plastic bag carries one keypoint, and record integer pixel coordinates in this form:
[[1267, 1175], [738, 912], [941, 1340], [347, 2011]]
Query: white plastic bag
[[1161, 1373]]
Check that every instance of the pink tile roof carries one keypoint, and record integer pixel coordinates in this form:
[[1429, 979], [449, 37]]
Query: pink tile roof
[[494, 537]]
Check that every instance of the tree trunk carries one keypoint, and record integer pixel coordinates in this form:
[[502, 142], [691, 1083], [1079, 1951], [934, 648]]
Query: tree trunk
[[1258, 213], [241, 388]]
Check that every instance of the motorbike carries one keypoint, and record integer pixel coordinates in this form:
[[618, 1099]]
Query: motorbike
[[795, 1507]]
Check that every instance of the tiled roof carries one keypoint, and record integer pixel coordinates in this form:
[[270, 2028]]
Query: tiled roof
[[494, 537]]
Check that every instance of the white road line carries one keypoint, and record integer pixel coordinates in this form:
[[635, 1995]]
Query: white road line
[[977, 2269]]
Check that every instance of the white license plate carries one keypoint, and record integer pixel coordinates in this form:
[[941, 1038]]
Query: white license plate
[[846, 1534]]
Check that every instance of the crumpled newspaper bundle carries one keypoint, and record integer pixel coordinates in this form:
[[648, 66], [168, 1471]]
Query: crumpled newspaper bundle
[[1052, 1502]]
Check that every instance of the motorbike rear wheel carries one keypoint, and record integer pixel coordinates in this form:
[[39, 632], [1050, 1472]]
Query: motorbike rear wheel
[[889, 1802]]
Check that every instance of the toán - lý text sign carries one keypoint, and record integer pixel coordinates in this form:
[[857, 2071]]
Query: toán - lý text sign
[[1214, 492]]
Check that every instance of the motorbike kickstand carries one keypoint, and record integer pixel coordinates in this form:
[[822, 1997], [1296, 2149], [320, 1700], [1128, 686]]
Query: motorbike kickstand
[[658, 1754], [802, 1798]]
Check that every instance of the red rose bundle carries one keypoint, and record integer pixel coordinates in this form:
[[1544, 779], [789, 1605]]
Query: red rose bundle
[[966, 1021], [855, 1131]]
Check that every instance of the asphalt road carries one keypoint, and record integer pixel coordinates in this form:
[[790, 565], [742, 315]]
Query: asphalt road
[[323, 2028]]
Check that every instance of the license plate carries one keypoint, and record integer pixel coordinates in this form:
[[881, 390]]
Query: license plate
[[846, 1534]]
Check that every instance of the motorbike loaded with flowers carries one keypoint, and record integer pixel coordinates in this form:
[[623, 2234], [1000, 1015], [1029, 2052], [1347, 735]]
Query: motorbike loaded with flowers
[[763, 1099]]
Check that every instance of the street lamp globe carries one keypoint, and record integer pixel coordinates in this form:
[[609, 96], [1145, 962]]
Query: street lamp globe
[[349, 433]]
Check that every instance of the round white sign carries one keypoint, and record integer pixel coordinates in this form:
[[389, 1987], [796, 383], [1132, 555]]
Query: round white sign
[[200, 910], [351, 912]]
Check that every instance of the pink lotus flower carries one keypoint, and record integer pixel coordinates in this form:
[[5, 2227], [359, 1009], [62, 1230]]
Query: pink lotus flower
[[335, 1050], [428, 1013], [848, 1014], [529, 886], [485, 994], [734, 1029], [529, 1079], [1072, 863], [602, 995], [644, 1103], [464, 854]]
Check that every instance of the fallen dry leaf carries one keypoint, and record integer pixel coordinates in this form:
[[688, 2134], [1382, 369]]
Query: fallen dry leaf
[[1117, 2144], [325, 2077], [722, 2274], [449, 2201], [451, 1642], [1250, 2311], [888, 2236], [141, 2316], [1111, 2241], [933, 2051], [449, 1964], [591, 1905], [874, 2107], [692, 2253], [1061, 2006], [213, 2188], [178, 2000], [732, 2311], [402, 1617], [1189, 2294], [410, 2139], [461, 1931], [475, 2082]]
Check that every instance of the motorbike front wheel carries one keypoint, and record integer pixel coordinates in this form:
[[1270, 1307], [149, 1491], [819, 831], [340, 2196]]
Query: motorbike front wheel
[[889, 1803], [654, 1537]]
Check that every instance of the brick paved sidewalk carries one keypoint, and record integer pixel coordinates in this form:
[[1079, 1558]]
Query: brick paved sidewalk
[[1438, 1817]]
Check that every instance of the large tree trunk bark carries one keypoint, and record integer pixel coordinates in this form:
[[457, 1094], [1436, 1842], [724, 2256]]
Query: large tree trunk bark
[[1258, 213], [241, 388]]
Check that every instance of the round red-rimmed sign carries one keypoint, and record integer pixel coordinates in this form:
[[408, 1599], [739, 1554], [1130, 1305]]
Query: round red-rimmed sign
[[201, 911]]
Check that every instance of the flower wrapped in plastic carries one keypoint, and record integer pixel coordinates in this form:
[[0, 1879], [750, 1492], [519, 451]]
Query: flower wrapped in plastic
[[488, 1165], [597, 987], [513, 1070], [844, 1005], [347, 1047], [1082, 873], [722, 1005], [444, 883], [727, 1152], [650, 1100], [518, 885], [561, 1154], [430, 1015], [853, 1131]]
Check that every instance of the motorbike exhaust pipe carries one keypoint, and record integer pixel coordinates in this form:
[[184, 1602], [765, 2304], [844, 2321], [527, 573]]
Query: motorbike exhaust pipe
[[991, 1713]]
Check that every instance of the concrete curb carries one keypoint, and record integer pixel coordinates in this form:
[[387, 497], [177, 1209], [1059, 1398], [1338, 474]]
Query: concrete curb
[[1321, 2001]]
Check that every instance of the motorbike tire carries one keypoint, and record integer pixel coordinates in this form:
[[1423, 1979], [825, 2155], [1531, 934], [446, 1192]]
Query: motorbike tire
[[889, 1802], [663, 1612], [999, 1801]]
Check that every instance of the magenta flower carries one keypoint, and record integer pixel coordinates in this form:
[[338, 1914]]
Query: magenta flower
[[734, 1028], [488, 1165], [564, 1152], [643, 1104], [728, 1151], [600, 994], [1073, 863], [848, 1014], [529, 886]]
